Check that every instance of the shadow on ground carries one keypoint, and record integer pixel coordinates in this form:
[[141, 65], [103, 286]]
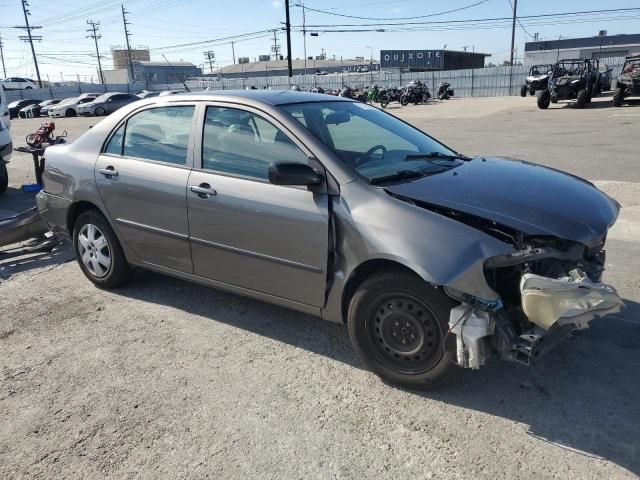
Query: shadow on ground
[[581, 397]]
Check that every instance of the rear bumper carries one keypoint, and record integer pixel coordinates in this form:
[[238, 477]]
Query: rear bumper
[[54, 210]]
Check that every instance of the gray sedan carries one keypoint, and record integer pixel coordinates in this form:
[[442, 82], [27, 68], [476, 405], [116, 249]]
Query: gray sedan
[[106, 104], [340, 210]]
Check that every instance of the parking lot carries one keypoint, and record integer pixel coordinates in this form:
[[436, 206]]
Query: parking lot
[[166, 379]]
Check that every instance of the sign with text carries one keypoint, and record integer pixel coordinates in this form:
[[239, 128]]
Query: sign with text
[[433, 59]]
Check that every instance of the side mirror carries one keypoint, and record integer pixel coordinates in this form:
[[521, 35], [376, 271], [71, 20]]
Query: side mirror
[[289, 173]]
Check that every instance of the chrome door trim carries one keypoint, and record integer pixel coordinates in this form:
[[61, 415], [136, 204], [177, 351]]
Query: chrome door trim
[[149, 228], [261, 256]]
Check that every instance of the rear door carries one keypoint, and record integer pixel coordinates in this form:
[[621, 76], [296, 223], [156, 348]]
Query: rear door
[[247, 232], [142, 179]]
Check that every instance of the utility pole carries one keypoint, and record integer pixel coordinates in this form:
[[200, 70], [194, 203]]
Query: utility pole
[[211, 57], [94, 34], [4, 69], [288, 28], [304, 35], [30, 38], [513, 31], [275, 48], [233, 52], [127, 34]]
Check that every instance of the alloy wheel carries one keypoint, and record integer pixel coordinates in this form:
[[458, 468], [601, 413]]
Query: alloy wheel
[[94, 250]]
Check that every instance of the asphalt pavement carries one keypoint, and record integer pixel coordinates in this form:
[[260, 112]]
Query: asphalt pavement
[[166, 379]]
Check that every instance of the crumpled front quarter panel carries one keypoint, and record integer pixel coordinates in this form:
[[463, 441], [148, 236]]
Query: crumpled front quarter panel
[[370, 224]]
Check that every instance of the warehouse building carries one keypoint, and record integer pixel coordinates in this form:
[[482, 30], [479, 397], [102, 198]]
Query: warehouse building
[[601, 46], [151, 73], [274, 68], [427, 60]]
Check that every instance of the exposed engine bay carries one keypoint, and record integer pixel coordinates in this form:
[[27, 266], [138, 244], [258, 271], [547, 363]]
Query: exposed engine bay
[[548, 288]]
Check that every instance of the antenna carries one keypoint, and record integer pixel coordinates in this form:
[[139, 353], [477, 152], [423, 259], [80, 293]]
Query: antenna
[[176, 73]]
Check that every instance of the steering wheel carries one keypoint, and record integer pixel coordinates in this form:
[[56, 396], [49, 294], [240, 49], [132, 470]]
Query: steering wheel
[[374, 148]]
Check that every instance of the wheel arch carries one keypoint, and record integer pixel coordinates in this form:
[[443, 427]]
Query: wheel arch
[[78, 208], [366, 270]]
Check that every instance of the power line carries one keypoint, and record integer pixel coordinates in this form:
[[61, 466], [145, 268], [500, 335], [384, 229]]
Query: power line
[[215, 40], [392, 18], [476, 20], [94, 34], [520, 23]]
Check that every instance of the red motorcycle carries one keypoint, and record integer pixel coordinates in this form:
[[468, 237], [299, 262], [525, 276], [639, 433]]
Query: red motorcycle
[[43, 135]]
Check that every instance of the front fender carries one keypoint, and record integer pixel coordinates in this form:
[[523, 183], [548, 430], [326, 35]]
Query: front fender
[[370, 224]]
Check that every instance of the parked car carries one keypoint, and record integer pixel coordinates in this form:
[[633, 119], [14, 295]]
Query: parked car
[[18, 83], [164, 93], [338, 209], [106, 104], [15, 107], [35, 110], [147, 94], [6, 143], [4, 110], [628, 83], [68, 107], [538, 79]]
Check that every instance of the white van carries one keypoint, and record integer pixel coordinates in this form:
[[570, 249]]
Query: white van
[[6, 145]]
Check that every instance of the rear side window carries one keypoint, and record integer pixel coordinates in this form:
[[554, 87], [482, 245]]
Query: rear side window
[[160, 134]]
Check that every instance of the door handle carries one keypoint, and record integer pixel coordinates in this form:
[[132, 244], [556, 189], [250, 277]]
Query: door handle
[[108, 172], [203, 190]]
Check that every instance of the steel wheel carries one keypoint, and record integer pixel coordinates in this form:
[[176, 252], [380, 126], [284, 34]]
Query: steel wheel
[[94, 250], [404, 333]]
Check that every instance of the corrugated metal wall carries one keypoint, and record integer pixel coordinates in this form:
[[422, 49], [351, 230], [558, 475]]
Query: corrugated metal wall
[[479, 82]]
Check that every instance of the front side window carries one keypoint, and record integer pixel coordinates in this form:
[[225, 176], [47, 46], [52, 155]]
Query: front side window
[[242, 143], [160, 134], [373, 143]]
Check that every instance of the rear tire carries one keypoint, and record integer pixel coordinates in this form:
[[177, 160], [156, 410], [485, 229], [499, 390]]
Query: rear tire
[[4, 177], [618, 97], [99, 252], [543, 100], [397, 325], [582, 99]]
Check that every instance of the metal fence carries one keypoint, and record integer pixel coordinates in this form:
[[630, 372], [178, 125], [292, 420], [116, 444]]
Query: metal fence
[[477, 82]]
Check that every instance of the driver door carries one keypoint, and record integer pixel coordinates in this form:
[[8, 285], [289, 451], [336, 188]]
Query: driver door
[[246, 232]]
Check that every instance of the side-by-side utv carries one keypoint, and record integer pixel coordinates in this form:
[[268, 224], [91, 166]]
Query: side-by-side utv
[[628, 83], [572, 79]]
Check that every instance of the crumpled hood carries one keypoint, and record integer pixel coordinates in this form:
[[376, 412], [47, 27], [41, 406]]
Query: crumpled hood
[[533, 199]]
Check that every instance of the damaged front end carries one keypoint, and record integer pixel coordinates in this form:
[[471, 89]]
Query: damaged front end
[[548, 288]]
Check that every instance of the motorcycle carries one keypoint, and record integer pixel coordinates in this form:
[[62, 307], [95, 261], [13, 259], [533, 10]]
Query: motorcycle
[[373, 94], [388, 95], [349, 92], [317, 90], [415, 92], [44, 134], [444, 91]]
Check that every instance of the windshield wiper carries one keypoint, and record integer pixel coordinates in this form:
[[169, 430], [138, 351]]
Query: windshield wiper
[[402, 174], [423, 156]]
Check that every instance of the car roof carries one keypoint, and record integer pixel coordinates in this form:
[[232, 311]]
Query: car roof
[[271, 97]]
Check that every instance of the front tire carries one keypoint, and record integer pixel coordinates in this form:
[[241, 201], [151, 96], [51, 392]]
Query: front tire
[[404, 100], [618, 97], [100, 111], [70, 113], [4, 177], [523, 91], [582, 99], [99, 252], [544, 99], [397, 325]]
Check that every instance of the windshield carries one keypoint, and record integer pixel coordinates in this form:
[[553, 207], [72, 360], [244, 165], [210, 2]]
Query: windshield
[[375, 144], [539, 69], [102, 98], [570, 68]]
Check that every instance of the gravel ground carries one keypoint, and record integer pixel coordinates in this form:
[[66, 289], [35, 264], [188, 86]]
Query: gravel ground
[[165, 379]]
